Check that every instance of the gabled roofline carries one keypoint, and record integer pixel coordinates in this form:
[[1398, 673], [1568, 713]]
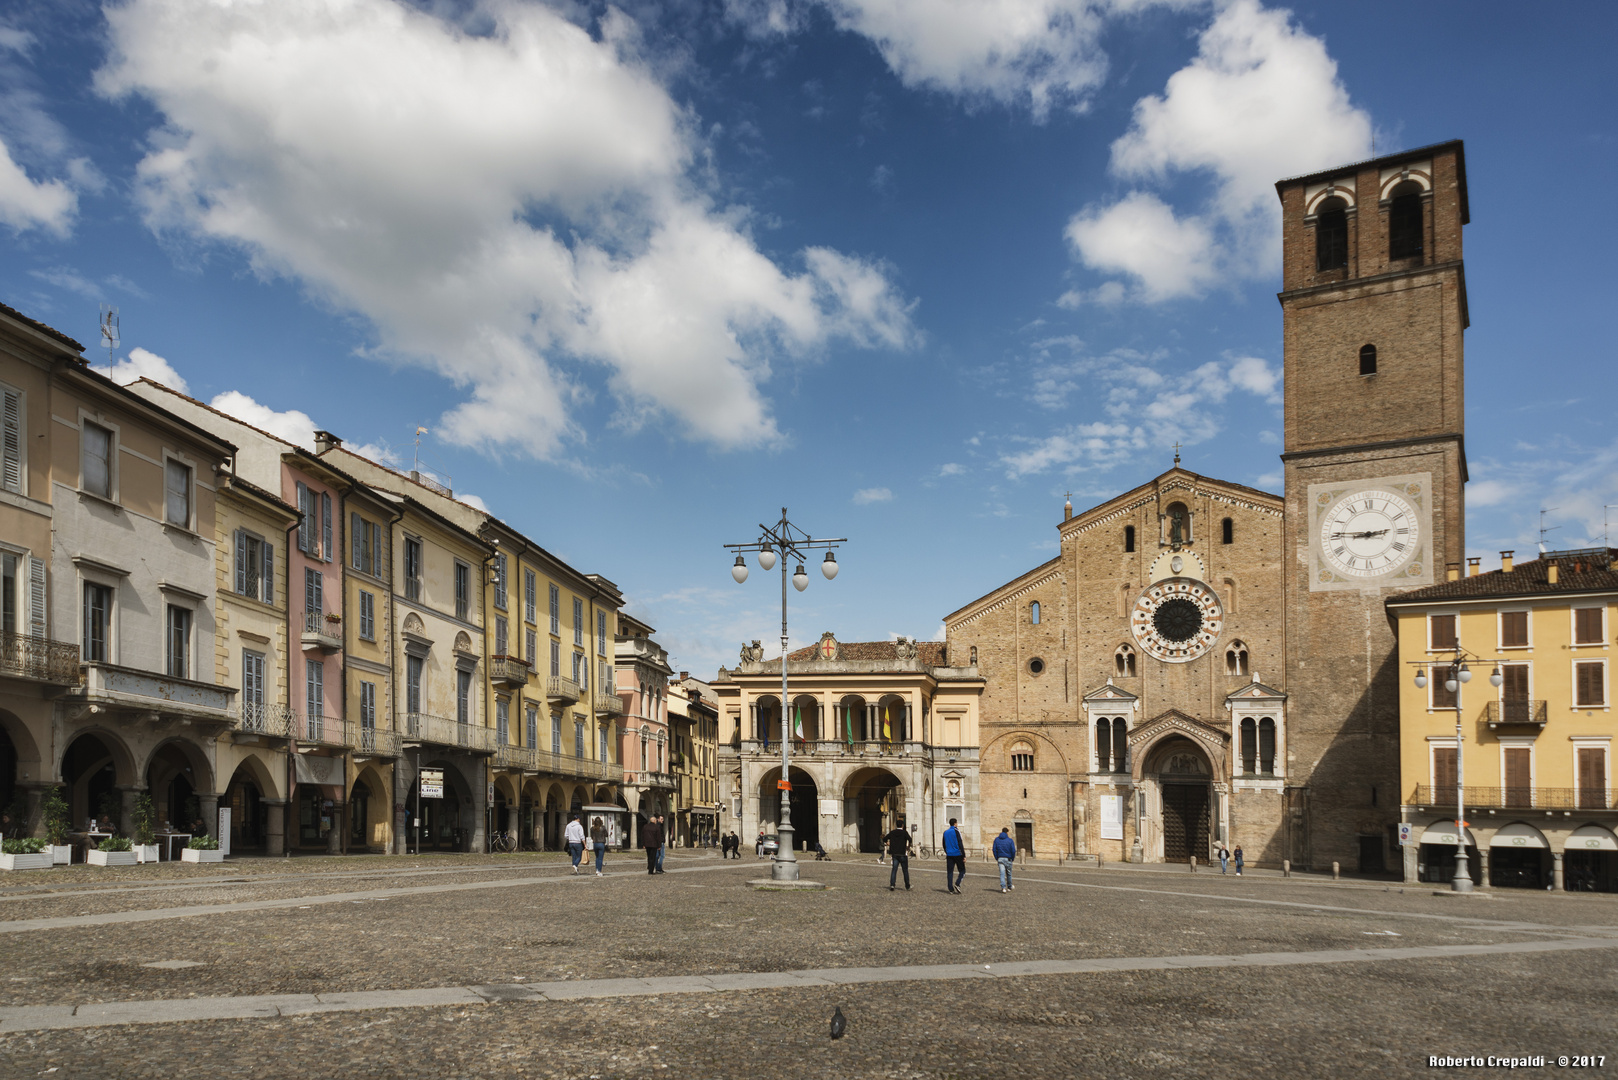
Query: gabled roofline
[[1004, 590], [1100, 510], [40, 328], [79, 370]]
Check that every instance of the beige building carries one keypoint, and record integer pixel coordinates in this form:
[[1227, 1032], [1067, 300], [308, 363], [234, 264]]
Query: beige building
[[884, 734], [1206, 663], [694, 738], [642, 671], [1536, 749]]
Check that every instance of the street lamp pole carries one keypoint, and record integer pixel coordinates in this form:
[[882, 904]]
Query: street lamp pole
[[791, 542], [1455, 678]]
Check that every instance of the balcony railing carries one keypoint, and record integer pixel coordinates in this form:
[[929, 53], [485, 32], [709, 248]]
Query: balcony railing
[[509, 670], [322, 630], [1531, 713], [372, 741], [442, 731], [560, 688], [25, 657], [320, 728], [608, 704], [657, 779], [1516, 798], [507, 756], [276, 721]]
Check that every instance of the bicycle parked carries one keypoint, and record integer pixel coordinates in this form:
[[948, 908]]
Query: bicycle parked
[[503, 843]]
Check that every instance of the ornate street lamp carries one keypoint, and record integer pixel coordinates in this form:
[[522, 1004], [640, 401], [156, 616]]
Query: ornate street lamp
[[792, 543], [1457, 675]]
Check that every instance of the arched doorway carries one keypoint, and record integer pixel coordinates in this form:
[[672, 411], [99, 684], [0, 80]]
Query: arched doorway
[[1435, 857], [244, 796], [446, 823], [359, 817], [1185, 798], [1519, 858], [1590, 860], [805, 805], [90, 773], [12, 801], [878, 803], [555, 817], [174, 778]]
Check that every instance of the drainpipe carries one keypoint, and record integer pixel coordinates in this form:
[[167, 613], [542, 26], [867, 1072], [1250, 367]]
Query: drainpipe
[[290, 811]]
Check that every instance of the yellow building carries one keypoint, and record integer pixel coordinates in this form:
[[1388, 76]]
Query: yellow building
[[694, 735], [1535, 722]]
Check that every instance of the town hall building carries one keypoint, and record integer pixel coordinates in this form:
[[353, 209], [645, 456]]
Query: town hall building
[[1204, 662]]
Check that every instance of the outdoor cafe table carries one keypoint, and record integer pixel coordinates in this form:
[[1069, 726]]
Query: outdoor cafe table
[[168, 842], [88, 841]]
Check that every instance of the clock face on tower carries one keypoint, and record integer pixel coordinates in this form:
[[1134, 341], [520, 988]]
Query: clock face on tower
[[1369, 533]]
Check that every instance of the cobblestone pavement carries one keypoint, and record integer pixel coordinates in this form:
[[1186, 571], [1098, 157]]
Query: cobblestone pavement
[[337, 926]]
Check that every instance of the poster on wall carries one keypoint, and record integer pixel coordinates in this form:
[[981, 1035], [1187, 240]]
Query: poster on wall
[[432, 783], [1112, 817], [224, 831]]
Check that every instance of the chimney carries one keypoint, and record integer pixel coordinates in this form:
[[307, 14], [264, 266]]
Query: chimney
[[684, 675], [1505, 561], [1452, 571], [1473, 567], [325, 440], [1552, 573]]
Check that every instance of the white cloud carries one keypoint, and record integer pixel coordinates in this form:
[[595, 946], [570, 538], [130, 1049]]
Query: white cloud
[[508, 200], [866, 496], [293, 426], [472, 501], [951, 468], [27, 204], [140, 364], [1260, 101]]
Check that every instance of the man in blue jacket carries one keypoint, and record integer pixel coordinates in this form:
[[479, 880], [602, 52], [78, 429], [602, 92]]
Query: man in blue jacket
[[954, 858], [1005, 852]]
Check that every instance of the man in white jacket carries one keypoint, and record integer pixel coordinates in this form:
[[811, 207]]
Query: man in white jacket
[[574, 839]]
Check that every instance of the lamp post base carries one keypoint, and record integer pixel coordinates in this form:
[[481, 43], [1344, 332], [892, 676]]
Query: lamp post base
[[796, 885], [786, 856], [1462, 882]]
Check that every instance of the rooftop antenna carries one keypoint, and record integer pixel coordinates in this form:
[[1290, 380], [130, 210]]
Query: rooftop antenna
[[109, 330], [1543, 528], [415, 459]]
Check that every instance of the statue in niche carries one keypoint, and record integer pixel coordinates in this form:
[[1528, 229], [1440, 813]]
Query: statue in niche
[[1179, 525]]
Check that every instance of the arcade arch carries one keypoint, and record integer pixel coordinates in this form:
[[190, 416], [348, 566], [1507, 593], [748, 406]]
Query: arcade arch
[[876, 801], [805, 803], [1180, 783]]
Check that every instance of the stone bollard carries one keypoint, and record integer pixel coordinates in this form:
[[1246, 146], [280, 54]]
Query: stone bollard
[[1193, 864], [1286, 867], [1334, 871]]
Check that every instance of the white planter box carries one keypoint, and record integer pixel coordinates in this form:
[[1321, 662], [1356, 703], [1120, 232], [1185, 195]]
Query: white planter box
[[42, 861], [62, 854], [198, 855], [145, 853], [97, 857]]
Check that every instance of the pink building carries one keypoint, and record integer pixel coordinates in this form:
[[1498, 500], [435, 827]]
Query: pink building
[[642, 670]]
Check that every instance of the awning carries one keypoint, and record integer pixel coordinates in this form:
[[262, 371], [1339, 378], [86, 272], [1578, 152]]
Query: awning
[[1591, 838], [1443, 832], [704, 811], [326, 771], [1519, 835]]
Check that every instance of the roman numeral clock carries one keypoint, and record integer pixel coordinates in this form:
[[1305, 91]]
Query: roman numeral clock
[[1371, 533]]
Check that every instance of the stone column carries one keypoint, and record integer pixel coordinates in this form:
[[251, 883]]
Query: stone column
[[208, 807], [334, 838], [1483, 867], [1412, 855], [1557, 881], [33, 820], [126, 814], [275, 820]]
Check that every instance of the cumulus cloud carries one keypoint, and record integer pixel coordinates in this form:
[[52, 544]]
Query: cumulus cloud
[[292, 425], [866, 496], [1261, 100], [508, 200], [26, 203], [951, 468], [141, 364]]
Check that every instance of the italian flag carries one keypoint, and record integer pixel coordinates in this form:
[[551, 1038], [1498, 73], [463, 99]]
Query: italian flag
[[797, 723]]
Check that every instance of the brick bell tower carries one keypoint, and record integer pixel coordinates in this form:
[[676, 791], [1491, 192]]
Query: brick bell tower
[[1374, 310]]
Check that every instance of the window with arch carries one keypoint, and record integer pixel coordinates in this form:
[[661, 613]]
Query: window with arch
[[1120, 745], [1177, 523], [1266, 746], [1331, 235], [1123, 662], [1033, 613], [1103, 745], [1129, 538], [1022, 758], [1227, 531], [1236, 659], [1249, 746], [1405, 222], [1367, 359]]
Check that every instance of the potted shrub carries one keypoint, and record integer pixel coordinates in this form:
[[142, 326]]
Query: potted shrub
[[145, 826], [202, 849], [53, 812], [113, 851], [25, 853]]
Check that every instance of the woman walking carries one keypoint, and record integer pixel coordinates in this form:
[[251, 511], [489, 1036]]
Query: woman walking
[[1239, 860], [598, 840]]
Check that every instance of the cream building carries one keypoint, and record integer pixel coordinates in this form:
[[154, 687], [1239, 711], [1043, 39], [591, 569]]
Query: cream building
[[1536, 750], [884, 734], [694, 739]]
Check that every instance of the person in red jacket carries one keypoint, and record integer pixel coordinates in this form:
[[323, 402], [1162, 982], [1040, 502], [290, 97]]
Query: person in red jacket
[[651, 838]]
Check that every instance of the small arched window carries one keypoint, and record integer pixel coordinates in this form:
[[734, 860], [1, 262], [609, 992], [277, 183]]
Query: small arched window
[[1123, 662], [1404, 222], [1120, 745], [1129, 538], [1331, 235], [1103, 745], [1033, 613], [1022, 757], [1236, 659], [1249, 746], [1367, 359], [1227, 531], [1266, 746]]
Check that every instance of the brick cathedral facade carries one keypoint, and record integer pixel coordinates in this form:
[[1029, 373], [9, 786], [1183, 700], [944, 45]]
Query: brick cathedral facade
[[1206, 663]]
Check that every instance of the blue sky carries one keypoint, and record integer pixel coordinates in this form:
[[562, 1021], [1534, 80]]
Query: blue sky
[[913, 269]]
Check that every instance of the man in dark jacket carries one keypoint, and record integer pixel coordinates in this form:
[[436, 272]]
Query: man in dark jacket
[[651, 838], [954, 858], [898, 843], [1005, 853]]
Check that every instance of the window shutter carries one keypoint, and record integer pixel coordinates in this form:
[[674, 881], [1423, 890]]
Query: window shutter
[[269, 573], [379, 563], [354, 528], [12, 454], [1443, 769], [305, 525], [241, 562], [325, 526], [36, 598]]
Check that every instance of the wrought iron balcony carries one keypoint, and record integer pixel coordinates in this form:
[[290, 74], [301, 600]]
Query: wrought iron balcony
[[25, 657], [657, 780], [508, 756], [372, 741], [1521, 712], [608, 704], [276, 721], [509, 671], [322, 631], [562, 689], [442, 731], [1516, 798], [319, 728]]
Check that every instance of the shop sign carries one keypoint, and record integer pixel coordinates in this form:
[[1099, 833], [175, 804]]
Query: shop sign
[[432, 783]]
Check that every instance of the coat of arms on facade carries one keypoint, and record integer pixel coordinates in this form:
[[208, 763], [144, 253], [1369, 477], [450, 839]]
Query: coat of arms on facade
[[905, 648], [828, 647], [754, 653]]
